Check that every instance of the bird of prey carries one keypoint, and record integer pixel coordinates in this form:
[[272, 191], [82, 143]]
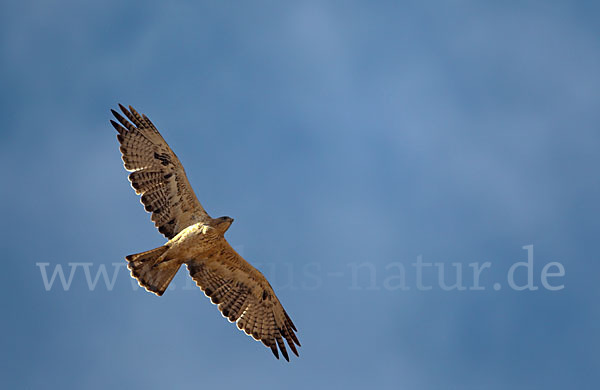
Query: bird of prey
[[242, 293]]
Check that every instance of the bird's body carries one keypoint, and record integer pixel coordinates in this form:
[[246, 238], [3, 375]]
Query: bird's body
[[198, 240], [242, 293]]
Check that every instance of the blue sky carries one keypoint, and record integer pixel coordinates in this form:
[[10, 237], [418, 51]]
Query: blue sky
[[345, 138]]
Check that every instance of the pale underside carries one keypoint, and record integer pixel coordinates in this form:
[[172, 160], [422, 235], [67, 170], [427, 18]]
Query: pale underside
[[242, 293]]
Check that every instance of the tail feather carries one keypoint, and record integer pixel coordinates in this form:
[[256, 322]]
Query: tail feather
[[151, 271]]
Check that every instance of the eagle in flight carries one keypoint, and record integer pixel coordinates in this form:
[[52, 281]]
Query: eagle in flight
[[242, 293]]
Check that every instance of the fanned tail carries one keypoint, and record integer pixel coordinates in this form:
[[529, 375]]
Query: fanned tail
[[151, 271]]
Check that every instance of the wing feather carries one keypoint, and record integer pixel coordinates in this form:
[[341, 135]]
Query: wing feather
[[156, 174], [244, 295]]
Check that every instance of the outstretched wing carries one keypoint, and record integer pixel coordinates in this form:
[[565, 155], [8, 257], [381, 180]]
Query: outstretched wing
[[157, 174], [244, 295]]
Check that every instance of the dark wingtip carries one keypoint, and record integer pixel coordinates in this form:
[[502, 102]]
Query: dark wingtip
[[121, 120], [275, 351], [116, 114], [123, 109], [284, 353], [120, 129], [292, 347], [290, 320]]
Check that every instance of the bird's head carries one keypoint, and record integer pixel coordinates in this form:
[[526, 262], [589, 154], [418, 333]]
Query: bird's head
[[222, 223]]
